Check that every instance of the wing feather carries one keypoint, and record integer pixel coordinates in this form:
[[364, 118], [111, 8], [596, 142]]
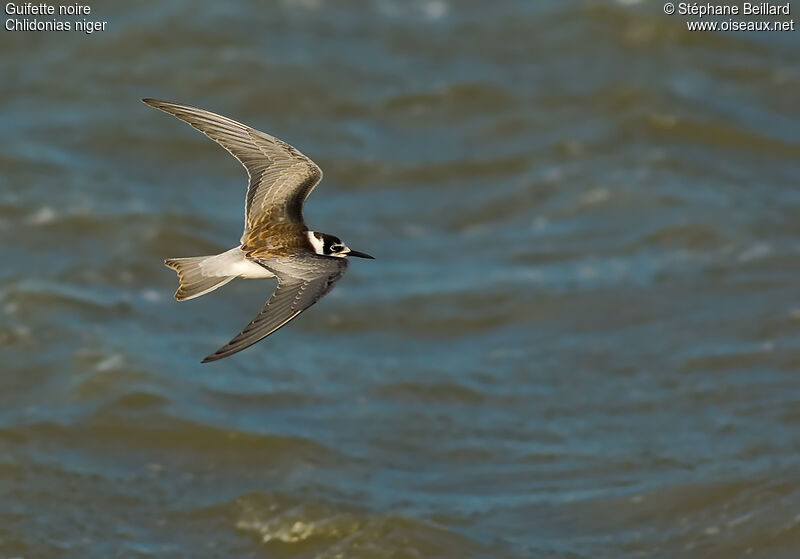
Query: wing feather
[[292, 296], [281, 178]]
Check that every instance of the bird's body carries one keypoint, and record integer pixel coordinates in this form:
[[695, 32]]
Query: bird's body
[[276, 242]]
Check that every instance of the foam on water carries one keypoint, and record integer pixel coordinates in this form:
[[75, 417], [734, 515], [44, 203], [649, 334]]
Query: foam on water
[[578, 338]]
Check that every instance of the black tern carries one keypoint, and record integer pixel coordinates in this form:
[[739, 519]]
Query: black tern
[[276, 242]]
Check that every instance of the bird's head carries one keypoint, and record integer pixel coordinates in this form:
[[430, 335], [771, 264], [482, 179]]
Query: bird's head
[[330, 245]]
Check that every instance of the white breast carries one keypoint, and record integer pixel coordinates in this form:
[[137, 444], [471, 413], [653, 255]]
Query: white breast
[[233, 263], [250, 270]]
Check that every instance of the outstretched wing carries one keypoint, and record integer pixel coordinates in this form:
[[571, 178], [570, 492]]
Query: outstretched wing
[[293, 295], [281, 178]]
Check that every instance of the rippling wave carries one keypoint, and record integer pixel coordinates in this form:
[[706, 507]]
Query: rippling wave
[[579, 338]]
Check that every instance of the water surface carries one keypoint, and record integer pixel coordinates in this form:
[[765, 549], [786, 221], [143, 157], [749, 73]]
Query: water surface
[[579, 338]]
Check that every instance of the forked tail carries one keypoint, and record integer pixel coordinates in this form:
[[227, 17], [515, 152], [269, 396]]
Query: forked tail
[[197, 276]]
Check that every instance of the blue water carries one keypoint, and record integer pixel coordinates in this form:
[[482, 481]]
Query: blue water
[[578, 339]]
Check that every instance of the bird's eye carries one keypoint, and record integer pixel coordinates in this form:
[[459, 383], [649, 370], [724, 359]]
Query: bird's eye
[[336, 248]]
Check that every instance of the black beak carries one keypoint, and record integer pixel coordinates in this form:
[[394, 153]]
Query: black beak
[[360, 254]]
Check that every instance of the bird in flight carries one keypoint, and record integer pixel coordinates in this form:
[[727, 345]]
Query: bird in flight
[[276, 242]]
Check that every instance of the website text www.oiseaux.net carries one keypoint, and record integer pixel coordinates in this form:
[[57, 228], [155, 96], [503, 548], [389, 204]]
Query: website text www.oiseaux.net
[[746, 10]]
